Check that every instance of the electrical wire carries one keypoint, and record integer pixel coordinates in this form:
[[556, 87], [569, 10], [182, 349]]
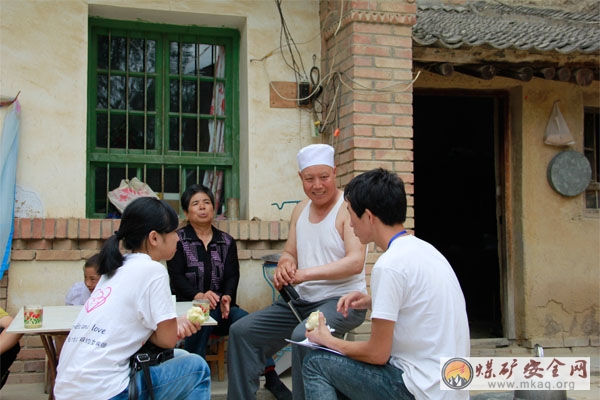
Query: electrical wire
[[286, 35], [330, 83]]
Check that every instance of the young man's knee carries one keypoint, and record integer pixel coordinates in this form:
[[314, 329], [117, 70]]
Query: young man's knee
[[197, 364]]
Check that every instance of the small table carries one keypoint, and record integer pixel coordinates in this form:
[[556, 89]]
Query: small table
[[58, 321]]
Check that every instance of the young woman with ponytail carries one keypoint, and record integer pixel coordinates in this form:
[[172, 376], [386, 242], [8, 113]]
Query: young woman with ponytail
[[130, 305]]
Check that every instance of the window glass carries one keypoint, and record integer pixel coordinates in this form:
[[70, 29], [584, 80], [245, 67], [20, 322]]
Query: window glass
[[591, 149]]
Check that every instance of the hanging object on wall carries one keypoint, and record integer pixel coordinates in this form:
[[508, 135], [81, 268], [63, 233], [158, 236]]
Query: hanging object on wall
[[569, 173], [557, 131], [9, 145]]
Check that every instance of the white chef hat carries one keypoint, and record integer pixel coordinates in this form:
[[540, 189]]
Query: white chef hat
[[315, 154]]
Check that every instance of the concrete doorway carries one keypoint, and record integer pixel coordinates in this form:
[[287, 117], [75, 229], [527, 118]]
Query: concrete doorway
[[457, 209]]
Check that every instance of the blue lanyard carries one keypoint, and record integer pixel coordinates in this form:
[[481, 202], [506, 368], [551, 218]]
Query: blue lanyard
[[396, 237]]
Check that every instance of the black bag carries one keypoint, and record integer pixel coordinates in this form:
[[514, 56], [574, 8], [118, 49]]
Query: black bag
[[147, 356]]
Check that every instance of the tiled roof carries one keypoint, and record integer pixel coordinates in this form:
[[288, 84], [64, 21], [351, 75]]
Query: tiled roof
[[506, 26]]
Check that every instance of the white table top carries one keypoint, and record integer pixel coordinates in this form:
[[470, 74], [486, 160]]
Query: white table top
[[60, 319]]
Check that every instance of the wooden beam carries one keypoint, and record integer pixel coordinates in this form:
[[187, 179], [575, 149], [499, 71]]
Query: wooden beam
[[583, 77], [486, 55], [486, 71], [563, 74], [521, 73], [444, 69], [546, 73]]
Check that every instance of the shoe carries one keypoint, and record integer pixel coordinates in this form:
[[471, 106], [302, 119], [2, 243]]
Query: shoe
[[5, 377], [274, 385]]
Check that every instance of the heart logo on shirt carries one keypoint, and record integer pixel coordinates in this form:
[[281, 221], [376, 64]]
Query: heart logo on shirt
[[97, 299]]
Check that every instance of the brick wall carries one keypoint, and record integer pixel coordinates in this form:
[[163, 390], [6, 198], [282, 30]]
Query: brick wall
[[72, 239], [367, 46], [30, 364], [3, 291]]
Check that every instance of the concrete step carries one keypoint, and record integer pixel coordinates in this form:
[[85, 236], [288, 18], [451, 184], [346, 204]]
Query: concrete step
[[262, 394], [219, 388]]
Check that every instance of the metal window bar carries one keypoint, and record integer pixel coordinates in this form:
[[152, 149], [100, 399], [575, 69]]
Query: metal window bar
[[108, 94], [145, 70], [592, 152]]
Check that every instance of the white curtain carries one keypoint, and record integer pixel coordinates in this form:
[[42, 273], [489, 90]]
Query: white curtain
[[216, 128]]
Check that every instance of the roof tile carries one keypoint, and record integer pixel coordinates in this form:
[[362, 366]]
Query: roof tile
[[504, 26]]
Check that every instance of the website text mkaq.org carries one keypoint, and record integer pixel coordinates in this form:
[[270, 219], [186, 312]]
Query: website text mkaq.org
[[515, 373], [532, 385]]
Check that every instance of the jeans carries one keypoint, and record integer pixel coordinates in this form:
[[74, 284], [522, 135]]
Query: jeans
[[261, 334], [332, 376], [185, 376]]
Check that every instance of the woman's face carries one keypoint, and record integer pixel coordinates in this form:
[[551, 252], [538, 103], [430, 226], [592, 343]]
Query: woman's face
[[169, 244], [200, 210]]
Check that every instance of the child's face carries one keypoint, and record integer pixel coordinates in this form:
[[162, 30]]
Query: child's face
[[90, 278]]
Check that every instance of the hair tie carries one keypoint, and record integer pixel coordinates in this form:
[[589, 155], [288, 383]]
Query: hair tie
[[119, 237]]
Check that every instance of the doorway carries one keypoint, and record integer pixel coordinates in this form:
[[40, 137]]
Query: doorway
[[457, 138]]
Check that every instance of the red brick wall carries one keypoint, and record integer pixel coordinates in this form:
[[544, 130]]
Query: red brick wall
[[368, 46]]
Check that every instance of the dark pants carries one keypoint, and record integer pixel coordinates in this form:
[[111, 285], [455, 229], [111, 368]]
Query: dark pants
[[198, 341], [6, 360]]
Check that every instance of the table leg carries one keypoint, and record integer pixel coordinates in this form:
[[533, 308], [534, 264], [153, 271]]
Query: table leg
[[52, 360]]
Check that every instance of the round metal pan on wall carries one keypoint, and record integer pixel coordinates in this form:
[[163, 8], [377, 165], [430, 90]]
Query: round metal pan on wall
[[569, 173]]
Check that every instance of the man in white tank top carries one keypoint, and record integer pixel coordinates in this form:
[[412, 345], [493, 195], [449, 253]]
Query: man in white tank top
[[323, 260]]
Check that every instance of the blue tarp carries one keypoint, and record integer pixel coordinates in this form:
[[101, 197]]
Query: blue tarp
[[9, 144]]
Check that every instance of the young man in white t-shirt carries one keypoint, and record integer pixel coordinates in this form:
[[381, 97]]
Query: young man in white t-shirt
[[418, 309]]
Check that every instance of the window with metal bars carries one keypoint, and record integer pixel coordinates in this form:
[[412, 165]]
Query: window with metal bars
[[591, 149], [162, 107]]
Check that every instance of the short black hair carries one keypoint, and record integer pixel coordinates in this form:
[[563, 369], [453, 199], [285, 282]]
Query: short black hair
[[191, 191], [381, 192]]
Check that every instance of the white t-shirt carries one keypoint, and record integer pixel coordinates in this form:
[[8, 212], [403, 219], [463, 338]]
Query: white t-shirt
[[77, 295], [115, 321], [414, 286], [319, 244]]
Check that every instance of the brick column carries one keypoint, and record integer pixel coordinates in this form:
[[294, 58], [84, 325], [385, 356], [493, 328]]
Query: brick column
[[369, 51]]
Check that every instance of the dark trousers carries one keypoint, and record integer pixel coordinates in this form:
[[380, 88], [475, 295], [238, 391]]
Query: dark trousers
[[6, 360]]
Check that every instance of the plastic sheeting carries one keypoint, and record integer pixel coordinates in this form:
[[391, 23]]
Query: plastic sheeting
[[9, 144], [557, 131]]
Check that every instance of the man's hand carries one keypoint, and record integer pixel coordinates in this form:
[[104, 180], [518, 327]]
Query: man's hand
[[321, 334], [355, 300], [285, 272], [185, 328]]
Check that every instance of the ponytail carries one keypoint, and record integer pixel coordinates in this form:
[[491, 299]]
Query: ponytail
[[110, 257]]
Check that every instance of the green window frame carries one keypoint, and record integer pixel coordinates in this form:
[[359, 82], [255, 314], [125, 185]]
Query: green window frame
[[163, 108]]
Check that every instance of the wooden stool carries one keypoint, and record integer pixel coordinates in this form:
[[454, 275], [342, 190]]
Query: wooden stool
[[215, 355]]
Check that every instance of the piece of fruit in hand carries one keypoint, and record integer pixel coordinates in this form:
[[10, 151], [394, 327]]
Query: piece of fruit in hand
[[313, 320], [196, 315]]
